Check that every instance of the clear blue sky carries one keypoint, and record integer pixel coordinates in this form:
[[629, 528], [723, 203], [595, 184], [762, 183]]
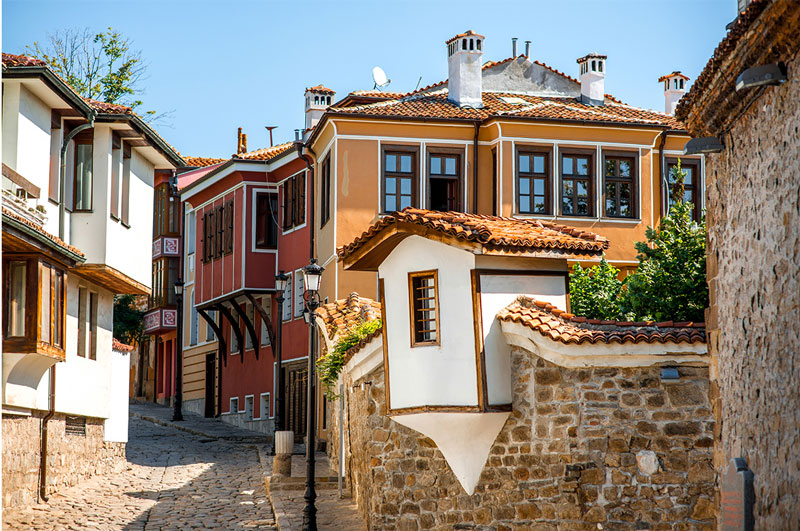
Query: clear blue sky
[[223, 64]]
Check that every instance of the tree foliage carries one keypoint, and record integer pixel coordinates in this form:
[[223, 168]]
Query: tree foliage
[[330, 365], [100, 66], [128, 318], [596, 292], [670, 282]]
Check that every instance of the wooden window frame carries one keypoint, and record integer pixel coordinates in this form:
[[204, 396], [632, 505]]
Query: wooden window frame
[[634, 182], [85, 138], [532, 151], [412, 309], [459, 177], [325, 191], [265, 221], [591, 178], [400, 150], [229, 220], [696, 186], [299, 199]]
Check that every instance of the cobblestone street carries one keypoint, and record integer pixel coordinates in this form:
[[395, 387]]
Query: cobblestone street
[[172, 480]]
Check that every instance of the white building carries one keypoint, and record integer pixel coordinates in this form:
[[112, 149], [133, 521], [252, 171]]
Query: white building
[[76, 232]]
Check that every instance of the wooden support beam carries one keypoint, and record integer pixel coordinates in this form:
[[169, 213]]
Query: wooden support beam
[[223, 348], [234, 326], [248, 324], [264, 317]]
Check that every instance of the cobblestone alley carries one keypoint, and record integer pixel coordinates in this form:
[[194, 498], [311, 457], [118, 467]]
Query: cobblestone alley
[[172, 480]]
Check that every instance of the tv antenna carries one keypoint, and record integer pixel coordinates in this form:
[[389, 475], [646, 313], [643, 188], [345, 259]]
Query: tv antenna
[[379, 77], [270, 128]]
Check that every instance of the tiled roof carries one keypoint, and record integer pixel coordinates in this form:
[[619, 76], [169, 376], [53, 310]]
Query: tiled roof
[[723, 50], [120, 346], [468, 33], [566, 328], [676, 73], [433, 105], [321, 89], [38, 228], [201, 162], [518, 235], [10, 59], [593, 55], [345, 313], [265, 153], [378, 94], [108, 108]]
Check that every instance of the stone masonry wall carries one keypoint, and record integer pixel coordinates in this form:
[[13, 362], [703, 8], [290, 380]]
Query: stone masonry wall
[[753, 218], [566, 458], [71, 458]]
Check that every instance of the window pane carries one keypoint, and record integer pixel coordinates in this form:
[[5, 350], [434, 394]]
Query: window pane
[[538, 186], [83, 176], [611, 168], [405, 201], [58, 308], [405, 163], [391, 185], [688, 178], [539, 206], [566, 206], [583, 189], [568, 188], [391, 203], [450, 166], [624, 168], [625, 201], [16, 300], [538, 164], [45, 302], [524, 186], [611, 207], [582, 165], [524, 164], [391, 162], [524, 203], [566, 165], [405, 186], [436, 165]]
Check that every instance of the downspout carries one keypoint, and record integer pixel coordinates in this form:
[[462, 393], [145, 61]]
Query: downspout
[[62, 172], [299, 145], [664, 187], [43, 447], [475, 168]]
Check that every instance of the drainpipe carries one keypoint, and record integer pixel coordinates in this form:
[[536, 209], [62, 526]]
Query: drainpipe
[[475, 168], [43, 447], [664, 187], [62, 172], [300, 146]]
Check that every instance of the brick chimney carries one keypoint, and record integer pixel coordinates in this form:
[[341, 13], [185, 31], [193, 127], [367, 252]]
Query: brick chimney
[[593, 78], [317, 101], [241, 142], [465, 82], [674, 89]]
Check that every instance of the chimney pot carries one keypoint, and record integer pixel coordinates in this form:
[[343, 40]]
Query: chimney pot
[[527, 49], [513, 46], [592, 76], [239, 141], [244, 143], [465, 80], [674, 89]]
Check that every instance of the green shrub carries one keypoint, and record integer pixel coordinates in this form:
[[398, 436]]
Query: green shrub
[[330, 365], [596, 292]]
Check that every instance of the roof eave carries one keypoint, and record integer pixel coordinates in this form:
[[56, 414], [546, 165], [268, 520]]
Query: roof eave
[[142, 127], [53, 81]]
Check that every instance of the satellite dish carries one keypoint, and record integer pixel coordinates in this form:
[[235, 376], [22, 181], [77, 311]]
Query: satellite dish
[[379, 77]]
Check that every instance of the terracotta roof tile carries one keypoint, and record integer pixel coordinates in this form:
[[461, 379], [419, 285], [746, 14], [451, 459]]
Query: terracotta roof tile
[[345, 313], [676, 73], [265, 153], [567, 328], [202, 162], [108, 108], [518, 235], [432, 105], [119, 345], [38, 228], [321, 89], [468, 33], [10, 59]]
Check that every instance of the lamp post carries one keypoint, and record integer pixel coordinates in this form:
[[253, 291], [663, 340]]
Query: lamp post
[[311, 281], [281, 280], [177, 413]]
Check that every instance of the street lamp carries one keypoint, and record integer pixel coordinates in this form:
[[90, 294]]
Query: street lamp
[[177, 413], [281, 281], [311, 281]]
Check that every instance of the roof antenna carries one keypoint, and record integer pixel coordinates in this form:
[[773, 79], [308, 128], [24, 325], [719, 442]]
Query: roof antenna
[[270, 128], [418, 82], [379, 78]]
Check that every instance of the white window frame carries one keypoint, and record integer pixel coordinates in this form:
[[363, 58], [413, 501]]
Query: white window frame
[[249, 413], [299, 301]]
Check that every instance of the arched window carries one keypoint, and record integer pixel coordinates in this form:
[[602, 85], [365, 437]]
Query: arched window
[[681, 84], [329, 100], [594, 66], [463, 44], [471, 44], [479, 44]]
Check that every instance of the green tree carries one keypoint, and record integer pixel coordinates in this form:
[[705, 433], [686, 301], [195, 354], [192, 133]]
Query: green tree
[[128, 318], [596, 292], [670, 283], [100, 66]]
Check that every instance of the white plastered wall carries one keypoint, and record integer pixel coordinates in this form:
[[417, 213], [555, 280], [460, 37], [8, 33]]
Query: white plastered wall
[[116, 426], [443, 374], [33, 141]]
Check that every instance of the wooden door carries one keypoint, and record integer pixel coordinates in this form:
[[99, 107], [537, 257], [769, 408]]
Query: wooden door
[[296, 378], [211, 384]]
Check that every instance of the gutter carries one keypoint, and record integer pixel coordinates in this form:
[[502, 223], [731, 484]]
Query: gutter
[[43, 438], [664, 185], [52, 80], [475, 168]]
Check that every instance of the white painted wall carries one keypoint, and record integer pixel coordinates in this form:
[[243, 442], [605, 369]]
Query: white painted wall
[[430, 375], [465, 81], [116, 426], [33, 140], [11, 95], [88, 230], [497, 292]]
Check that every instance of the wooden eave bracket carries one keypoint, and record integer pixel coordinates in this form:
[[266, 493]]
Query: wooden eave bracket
[[112, 279], [223, 348]]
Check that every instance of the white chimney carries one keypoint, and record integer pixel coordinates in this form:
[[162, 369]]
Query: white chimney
[[593, 79], [464, 84], [674, 89], [317, 101]]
